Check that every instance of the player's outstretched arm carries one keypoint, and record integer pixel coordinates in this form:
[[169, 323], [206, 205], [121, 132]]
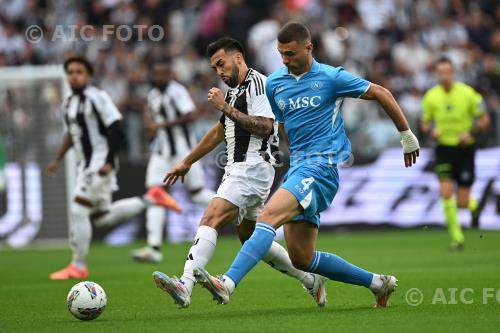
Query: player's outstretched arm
[[257, 125], [411, 147], [210, 140], [65, 146]]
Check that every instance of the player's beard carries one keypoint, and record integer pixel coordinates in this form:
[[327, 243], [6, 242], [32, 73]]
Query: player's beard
[[233, 79], [78, 90]]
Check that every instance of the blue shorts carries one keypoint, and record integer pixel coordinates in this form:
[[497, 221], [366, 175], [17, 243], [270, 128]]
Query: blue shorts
[[314, 185]]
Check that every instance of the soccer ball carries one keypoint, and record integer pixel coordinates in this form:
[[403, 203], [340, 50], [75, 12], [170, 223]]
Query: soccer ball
[[86, 300]]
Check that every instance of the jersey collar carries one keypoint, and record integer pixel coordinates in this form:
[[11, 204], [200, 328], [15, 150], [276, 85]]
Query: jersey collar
[[248, 77], [314, 66]]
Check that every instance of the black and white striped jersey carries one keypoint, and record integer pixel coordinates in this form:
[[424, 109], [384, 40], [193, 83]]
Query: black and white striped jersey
[[250, 98], [87, 117], [167, 105]]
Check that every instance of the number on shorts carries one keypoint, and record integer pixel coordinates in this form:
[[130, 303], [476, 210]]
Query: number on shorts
[[306, 183]]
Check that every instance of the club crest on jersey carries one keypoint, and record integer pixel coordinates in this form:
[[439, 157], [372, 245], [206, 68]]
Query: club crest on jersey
[[316, 85], [282, 104]]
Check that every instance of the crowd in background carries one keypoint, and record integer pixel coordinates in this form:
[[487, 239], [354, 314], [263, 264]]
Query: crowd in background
[[390, 42]]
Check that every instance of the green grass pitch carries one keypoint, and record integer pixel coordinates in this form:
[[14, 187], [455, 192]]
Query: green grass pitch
[[267, 301]]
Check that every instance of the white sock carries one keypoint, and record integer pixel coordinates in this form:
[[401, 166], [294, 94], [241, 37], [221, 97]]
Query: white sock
[[199, 254], [80, 233], [376, 282], [155, 221], [121, 210], [229, 283], [277, 257], [203, 197]]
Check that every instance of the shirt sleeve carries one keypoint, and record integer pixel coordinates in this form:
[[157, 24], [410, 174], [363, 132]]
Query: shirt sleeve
[[477, 104], [260, 104], [349, 85], [182, 100], [427, 113], [107, 109], [274, 108]]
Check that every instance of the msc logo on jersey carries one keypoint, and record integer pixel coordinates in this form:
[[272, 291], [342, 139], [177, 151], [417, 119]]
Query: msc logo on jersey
[[303, 102]]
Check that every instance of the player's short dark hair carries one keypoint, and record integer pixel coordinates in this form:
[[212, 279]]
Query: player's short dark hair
[[79, 59], [293, 31], [443, 60], [227, 44]]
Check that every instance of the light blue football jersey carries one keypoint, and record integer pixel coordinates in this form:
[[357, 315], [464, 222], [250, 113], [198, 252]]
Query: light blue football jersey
[[310, 105]]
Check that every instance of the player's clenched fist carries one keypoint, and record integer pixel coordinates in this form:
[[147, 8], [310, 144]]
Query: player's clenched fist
[[411, 147], [216, 98]]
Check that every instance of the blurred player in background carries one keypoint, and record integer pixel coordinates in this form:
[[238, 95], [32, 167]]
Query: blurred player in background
[[306, 98], [452, 113], [3, 159], [247, 126], [93, 129], [170, 110]]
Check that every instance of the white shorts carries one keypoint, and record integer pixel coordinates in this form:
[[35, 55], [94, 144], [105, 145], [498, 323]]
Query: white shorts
[[247, 186], [158, 166], [96, 188]]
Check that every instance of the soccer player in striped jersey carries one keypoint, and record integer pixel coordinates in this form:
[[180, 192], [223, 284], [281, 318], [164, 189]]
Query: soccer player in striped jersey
[[93, 129], [170, 111], [248, 128], [306, 98]]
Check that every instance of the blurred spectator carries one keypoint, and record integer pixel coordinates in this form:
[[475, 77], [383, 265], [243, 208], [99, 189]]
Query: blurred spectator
[[410, 55], [391, 42]]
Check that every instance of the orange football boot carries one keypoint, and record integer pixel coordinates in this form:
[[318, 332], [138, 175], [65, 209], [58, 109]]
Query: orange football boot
[[70, 272]]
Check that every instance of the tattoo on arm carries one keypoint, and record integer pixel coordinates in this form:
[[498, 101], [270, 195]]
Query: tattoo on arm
[[259, 126]]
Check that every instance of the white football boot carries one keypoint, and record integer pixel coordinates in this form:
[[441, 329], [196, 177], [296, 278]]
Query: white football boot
[[382, 294], [174, 287], [147, 254], [318, 291], [214, 284]]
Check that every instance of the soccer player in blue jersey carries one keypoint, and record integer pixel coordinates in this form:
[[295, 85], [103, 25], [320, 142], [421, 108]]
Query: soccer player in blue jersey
[[306, 98]]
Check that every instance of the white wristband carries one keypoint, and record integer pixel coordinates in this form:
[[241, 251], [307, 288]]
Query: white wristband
[[409, 141]]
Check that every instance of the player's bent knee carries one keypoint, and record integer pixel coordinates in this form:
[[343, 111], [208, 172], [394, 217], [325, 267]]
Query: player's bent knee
[[214, 219], [271, 218], [301, 263], [300, 259], [446, 189]]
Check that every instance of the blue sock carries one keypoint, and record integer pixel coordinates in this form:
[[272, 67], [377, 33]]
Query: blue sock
[[336, 268], [254, 249]]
